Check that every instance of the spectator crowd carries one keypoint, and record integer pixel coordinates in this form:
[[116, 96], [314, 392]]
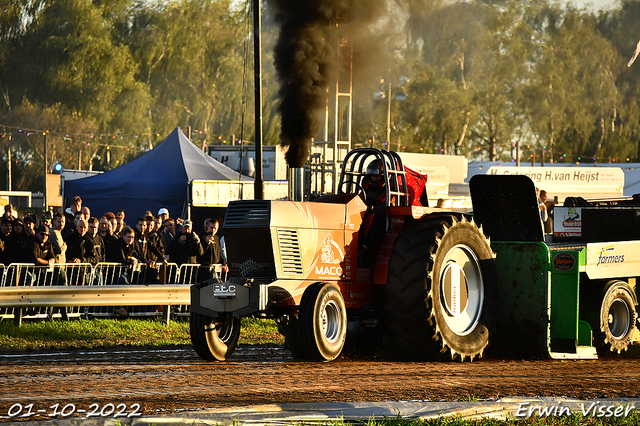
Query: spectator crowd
[[74, 236]]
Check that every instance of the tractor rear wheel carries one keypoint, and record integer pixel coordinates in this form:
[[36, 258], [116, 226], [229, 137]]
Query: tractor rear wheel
[[617, 318], [214, 339], [322, 322], [441, 293]]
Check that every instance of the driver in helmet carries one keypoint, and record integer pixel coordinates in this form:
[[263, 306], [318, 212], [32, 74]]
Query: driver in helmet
[[374, 185], [375, 220]]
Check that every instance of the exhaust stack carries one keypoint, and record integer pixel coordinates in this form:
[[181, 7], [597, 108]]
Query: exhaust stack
[[296, 183]]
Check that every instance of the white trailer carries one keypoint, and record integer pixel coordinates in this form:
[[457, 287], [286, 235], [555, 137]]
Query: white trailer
[[274, 166]]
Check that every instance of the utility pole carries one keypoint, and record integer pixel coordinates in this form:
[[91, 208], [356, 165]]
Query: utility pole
[[44, 192], [257, 49], [9, 161]]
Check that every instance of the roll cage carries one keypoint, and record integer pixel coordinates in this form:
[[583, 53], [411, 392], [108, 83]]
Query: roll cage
[[352, 177]]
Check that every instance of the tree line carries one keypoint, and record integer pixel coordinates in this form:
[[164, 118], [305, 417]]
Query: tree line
[[110, 79]]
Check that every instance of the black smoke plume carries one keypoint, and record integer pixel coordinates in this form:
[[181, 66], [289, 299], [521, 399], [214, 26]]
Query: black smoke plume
[[305, 61]]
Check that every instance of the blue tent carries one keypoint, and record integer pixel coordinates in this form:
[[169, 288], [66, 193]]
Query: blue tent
[[159, 178]]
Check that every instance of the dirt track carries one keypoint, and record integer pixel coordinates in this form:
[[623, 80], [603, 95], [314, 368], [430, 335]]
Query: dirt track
[[164, 381]]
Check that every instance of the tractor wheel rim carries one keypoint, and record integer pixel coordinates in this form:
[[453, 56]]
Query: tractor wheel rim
[[619, 318], [330, 321], [461, 289], [222, 330]]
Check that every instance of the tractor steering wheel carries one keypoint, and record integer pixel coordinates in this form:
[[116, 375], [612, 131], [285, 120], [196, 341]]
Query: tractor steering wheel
[[359, 189]]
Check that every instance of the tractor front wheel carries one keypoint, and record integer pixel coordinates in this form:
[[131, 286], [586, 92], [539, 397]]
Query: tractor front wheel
[[322, 322], [214, 339]]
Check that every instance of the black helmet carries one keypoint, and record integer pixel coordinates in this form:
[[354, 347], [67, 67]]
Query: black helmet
[[375, 168], [374, 175]]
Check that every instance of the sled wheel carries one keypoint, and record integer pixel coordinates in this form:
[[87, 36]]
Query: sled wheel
[[214, 339], [322, 322], [617, 318], [295, 348], [289, 329], [442, 290]]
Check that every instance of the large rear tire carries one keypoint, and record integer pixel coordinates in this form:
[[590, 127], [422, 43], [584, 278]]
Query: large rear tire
[[214, 339], [441, 294], [322, 322], [617, 319]]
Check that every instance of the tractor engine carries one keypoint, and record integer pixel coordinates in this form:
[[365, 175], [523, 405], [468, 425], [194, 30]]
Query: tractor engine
[[274, 247]]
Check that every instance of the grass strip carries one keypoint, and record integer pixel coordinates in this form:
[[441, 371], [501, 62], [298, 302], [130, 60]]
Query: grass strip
[[575, 419], [44, 335]]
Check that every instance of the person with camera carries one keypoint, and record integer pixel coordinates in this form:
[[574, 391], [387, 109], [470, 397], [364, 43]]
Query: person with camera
[[167, 235], [155, 251], [185, 247], [212, 251], [123, 251]]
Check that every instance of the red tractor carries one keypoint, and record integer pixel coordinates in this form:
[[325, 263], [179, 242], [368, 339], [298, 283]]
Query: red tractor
[[425, 284]]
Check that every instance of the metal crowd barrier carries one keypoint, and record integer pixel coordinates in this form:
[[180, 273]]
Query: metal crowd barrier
[[73, 290]]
